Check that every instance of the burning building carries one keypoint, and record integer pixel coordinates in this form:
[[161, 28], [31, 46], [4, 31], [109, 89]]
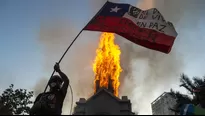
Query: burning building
[[103, 102], [106, 67]]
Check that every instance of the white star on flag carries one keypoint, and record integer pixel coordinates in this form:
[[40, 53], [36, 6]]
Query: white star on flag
[[115, 9]]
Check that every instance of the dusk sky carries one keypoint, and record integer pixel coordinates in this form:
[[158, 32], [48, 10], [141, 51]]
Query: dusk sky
[[22, 55]]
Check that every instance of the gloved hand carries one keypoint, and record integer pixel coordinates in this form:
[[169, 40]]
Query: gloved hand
[[57, 67]]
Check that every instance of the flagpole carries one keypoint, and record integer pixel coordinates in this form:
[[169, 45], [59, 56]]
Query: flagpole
[[74, 41]]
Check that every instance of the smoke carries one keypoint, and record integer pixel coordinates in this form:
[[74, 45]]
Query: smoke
[[174, 10], [146, 73], [55, 37], [40, 85]]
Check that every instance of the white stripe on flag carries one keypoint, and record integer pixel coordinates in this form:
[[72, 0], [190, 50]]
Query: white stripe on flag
[[151, 19]]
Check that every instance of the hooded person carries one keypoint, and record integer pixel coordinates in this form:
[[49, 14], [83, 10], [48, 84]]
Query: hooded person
[[51, 102]]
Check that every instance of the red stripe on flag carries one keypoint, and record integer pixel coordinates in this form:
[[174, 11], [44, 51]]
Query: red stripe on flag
[[145, 37]]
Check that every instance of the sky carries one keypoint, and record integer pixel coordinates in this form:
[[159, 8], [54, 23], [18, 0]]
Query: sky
[[22, 49], [22, 55]]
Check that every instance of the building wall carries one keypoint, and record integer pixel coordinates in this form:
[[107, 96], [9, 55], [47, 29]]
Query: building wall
[[162, 104], [103, 103]]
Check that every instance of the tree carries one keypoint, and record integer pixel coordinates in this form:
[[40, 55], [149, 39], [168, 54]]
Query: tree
[[4, 110], [187, 83], [191, 85], [16, 101], [180, 100], [196, 87]]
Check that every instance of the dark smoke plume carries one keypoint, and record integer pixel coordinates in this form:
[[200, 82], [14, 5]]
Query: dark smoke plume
[[146, 73]]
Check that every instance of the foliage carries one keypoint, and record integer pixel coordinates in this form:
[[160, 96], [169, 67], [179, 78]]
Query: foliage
[[189, 85], [17, 101]]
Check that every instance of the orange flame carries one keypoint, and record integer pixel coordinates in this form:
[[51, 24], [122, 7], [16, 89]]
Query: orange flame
[[107, 62]]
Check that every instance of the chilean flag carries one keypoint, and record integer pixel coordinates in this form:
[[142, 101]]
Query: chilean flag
[[146, 28]]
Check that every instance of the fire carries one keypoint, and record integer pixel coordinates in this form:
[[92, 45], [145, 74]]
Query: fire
[[107, 62]]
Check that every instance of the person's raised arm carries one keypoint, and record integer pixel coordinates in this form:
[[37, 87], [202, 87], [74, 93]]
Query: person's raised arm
[[64, 78]]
